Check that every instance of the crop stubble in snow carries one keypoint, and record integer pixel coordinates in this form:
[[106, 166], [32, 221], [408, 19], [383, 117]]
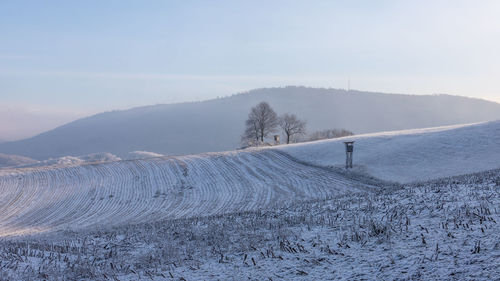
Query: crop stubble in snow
[[126, 192], [440, 230]]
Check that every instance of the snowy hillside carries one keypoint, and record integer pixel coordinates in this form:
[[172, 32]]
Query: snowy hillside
[[443, 230], [412, 155], [73, 160], [69, 193], [16, 161], [7, 160], [42, 199], [216, 125], [281, 213]]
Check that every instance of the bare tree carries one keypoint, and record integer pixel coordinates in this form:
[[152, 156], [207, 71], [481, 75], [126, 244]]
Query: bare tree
[[251, 135], [292, 126], [262, 120]]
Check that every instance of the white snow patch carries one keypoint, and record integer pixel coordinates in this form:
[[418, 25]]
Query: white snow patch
[[142, 155]]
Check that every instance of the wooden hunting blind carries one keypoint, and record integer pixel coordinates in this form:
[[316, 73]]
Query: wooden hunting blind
[[349, 149]]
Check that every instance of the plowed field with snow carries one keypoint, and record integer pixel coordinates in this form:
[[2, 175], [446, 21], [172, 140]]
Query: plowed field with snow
[[128, 192]]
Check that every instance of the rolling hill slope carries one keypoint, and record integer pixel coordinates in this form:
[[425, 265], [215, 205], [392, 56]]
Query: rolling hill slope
[[216, 125], [412, 155], [87, 196], [15, 160], [284, 212], [78, 197]]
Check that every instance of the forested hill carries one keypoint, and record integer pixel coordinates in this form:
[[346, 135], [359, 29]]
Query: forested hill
[[216, 125]]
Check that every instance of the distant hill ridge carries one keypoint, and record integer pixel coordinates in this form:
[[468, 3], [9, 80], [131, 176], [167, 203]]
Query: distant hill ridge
[[216, 125]]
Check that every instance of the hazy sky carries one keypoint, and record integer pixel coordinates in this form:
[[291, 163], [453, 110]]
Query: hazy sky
[[65, 59]]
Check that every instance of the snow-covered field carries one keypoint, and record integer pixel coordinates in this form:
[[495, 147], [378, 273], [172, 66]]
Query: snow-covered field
[[442, 230], [15, 161], [35, 200], [287, 212], [411, 155]]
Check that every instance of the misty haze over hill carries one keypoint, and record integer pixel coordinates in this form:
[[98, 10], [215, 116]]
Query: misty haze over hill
[[216, 125]]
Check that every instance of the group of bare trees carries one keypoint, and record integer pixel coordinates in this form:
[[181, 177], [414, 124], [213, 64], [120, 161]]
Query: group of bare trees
[[263, 121], [329, 134]]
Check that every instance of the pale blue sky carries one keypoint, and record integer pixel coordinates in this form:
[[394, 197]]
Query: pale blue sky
[[79, 57]]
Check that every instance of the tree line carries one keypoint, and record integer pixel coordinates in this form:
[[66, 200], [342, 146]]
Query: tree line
[[263, 121]]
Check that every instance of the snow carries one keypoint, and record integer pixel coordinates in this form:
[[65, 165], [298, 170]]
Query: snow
[[100, 157], [142, 154], [7, 160], [76, 197], [65, 161], [411, 155], [16, 161], [281, 213], [446, 229]]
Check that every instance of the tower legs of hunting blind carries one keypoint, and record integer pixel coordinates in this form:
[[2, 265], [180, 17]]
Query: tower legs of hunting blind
[[349, 148]]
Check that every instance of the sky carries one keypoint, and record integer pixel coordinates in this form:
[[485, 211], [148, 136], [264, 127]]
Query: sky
[[61, 60]]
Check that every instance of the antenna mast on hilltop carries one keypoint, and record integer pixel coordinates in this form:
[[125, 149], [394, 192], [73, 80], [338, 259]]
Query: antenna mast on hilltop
[[348, 84]]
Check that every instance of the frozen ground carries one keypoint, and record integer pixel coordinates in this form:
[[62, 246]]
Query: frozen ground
[[442, 230], [411, 155], [15, 161], [35, 200], [275, 214]]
